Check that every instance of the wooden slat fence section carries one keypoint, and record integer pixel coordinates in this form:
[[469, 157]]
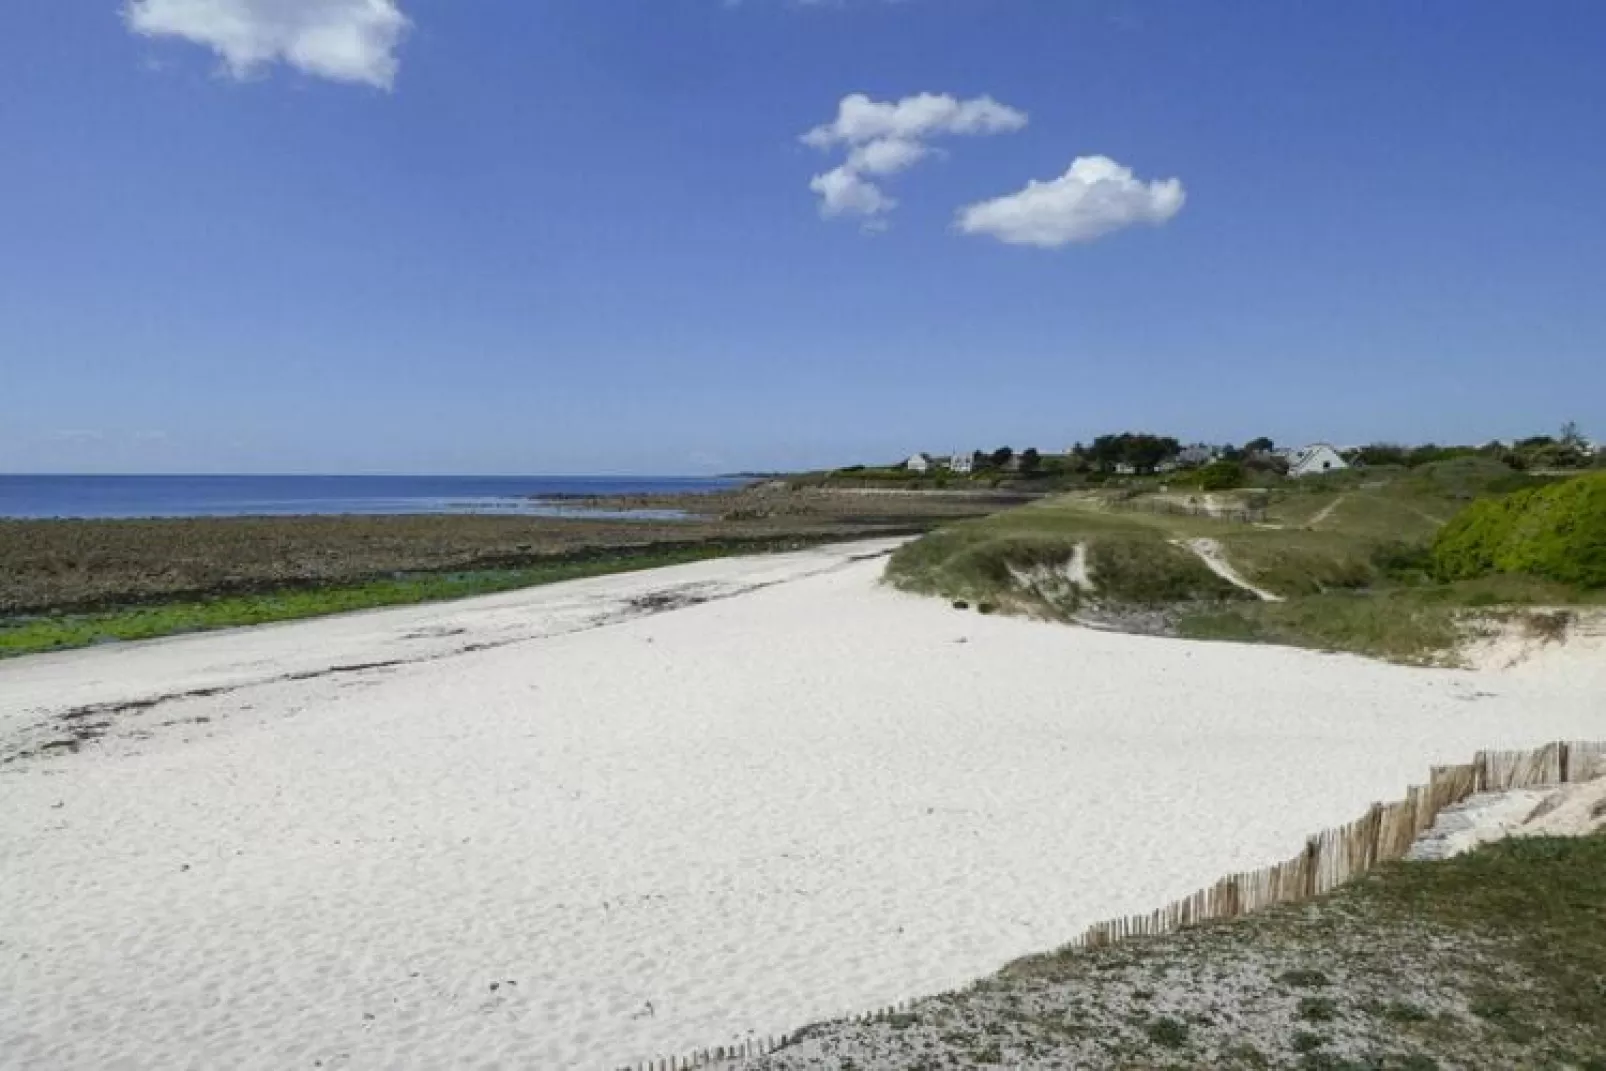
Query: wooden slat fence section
[[1329, 859], [1586, 761], [1383, 834], [1503, 770]]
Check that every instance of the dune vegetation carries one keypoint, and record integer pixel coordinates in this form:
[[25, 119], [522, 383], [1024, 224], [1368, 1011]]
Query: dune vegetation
[[1364, 561], [1556, 532]]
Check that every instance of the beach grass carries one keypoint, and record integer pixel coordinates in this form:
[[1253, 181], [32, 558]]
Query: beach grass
[[1391, 626], [1350, 557], [1136, 566], [149, 620]]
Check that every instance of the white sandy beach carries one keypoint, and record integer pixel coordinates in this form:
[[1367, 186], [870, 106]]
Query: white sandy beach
[[615, 831]]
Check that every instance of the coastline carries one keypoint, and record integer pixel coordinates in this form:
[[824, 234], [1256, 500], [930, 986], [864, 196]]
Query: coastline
[[70, 583], [653, 810]]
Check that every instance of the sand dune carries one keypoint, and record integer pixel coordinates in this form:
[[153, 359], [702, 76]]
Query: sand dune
[[589, 824]]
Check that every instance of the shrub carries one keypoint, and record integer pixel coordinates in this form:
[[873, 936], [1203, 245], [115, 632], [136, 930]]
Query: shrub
[[1221, 476], [1468, 545], [1405, 1012], [1403, 562], [1317, 1009], [1304, 978], [1557, 532], [1305, 1041], [1170, 1033]]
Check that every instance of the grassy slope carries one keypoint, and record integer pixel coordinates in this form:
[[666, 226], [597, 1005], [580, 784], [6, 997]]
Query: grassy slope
[[1130, 552], [1494, 959], [1347, 553], [147, 620], [1356, 578]]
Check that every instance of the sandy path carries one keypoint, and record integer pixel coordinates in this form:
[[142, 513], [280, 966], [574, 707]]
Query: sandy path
[[1214, 557], [1425, 515], [1076, 570], [1326, 512], [586, 847]]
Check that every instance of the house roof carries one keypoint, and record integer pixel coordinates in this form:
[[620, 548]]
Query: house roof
[[1305, 453]]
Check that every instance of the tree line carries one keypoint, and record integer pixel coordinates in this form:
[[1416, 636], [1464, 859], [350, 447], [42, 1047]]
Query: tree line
[[1145, 452]]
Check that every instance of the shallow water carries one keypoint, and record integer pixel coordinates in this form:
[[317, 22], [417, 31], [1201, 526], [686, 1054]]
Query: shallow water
[[256, 496]]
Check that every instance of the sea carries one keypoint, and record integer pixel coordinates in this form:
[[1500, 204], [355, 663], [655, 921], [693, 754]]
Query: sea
[[281, 496]]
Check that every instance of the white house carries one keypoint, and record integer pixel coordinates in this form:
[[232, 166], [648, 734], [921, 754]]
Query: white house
[[919, 463], [1314, 460], [1197, 454], [961, 463]]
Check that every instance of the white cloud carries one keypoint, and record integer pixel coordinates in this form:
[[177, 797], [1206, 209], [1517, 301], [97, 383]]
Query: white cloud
[[886, 157], [343, 40], [860, 119], [842, 192], [885, 137], [1095, 197]]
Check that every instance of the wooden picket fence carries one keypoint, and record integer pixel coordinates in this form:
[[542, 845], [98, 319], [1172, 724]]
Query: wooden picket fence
[[1382, 835], [745, 1049], [715, 1057], [1329, 859]]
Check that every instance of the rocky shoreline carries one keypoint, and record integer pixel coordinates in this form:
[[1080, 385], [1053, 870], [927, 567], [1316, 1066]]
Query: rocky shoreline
[[77, 565]]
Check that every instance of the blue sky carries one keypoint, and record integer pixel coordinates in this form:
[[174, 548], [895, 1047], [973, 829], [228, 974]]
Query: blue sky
[[566, 236]]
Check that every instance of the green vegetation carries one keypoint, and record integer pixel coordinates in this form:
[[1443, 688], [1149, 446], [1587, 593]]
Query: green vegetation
[[1387, 626], [1146, 460], [1317, 1009], [1141, 451], [1304, 979], [1148, 572], [1018, 560], [52, 632], [1556, 532], [1492, 959], [1168, 1033], [1412, 622], [1221, 476], [1351, 555], [1569, 451], [1542, 900]]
